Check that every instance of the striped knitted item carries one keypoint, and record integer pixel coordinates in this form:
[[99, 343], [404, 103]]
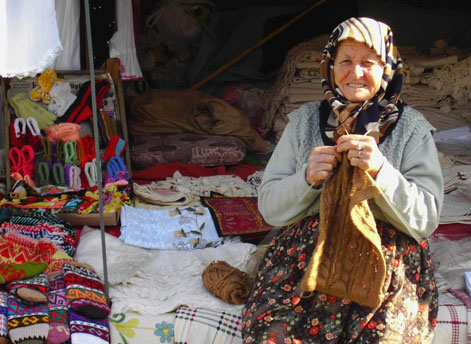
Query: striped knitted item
[[85, 291], [31, 290], [86, 330], [81, 109], [27, 323], [59, 330], [3, 316], [11, 272], [36, 216]]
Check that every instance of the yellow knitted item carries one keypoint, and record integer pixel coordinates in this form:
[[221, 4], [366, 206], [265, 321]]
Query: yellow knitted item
[[348, 261], [46, 80]]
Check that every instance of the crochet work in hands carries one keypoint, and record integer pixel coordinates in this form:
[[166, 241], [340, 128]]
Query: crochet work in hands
[[348, 260]]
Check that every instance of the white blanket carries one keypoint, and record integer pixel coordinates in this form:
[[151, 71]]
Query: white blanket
[[154, 282]]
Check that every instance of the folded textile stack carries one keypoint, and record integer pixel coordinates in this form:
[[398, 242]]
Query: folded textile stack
[[439, 85], [298, 83], [457, 200]]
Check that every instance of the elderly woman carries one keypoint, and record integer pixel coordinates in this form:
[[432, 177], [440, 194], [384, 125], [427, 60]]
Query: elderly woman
[[357, 183]]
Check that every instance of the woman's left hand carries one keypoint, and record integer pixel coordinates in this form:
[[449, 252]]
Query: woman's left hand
[[362, 152]]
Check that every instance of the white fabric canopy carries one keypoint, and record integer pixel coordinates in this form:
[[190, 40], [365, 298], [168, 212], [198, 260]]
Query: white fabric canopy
[[68, 22], [29, 38]]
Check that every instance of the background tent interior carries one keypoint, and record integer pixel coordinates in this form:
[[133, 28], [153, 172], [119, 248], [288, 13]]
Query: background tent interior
[[244, 65]]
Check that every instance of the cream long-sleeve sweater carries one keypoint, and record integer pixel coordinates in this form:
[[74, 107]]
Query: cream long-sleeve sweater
[[410, 178]]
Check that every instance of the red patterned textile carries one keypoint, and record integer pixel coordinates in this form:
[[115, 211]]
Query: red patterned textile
[[17, 248], [236, 215]]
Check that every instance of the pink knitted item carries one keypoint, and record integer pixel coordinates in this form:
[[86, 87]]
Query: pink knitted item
[[59, 330], [64, 132]]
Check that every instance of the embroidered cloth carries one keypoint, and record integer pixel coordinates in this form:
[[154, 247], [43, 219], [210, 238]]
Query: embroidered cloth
[[236, 215], [171, 228]]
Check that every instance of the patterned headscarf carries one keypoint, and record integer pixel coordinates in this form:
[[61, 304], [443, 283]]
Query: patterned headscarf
[[375, 115]]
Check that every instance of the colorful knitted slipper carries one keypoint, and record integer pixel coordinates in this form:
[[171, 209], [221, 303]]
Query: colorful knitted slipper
[[32, 289], [85, 291]]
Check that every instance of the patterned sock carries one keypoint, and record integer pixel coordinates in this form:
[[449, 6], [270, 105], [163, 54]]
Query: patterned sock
[[11, 272], [3, 317], [27, 323], [87, 330], [59, 331], [85, 292], [32, 290]]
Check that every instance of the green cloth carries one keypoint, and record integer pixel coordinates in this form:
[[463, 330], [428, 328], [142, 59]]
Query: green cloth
[[24, 107], [17, 271]]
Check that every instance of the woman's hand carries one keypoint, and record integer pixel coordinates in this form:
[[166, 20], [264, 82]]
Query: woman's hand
[[321, 162], [362, 152]]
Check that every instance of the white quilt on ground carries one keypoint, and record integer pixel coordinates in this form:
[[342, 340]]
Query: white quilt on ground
[[154, 282]]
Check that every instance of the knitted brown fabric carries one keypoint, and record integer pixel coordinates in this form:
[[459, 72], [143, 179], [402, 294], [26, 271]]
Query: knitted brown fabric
[[226, 282], [347, 261]]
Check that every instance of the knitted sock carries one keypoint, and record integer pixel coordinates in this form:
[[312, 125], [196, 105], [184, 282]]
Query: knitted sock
[[11, 272], [59, 330], [27, 322], [3, 317], [32, 290], [86, 330], [85, 291]]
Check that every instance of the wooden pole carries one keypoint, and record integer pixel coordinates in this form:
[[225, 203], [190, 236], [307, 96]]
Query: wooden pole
[[255, 46]]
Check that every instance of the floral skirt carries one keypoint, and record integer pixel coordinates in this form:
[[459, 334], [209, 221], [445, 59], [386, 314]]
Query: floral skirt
[[275, 312]]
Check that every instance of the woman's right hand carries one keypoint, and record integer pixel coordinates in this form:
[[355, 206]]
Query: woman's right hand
[[321, 163]]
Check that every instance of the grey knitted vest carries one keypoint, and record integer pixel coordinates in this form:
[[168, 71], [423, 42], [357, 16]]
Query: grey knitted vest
[[407, 134]]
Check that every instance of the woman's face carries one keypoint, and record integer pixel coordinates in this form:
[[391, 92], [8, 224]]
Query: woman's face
[[358, 70]]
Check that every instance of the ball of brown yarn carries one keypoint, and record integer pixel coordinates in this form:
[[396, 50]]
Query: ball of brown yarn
[[226, 282]]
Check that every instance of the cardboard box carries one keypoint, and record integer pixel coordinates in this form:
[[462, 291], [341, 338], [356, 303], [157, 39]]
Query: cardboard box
[[92, 219]]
